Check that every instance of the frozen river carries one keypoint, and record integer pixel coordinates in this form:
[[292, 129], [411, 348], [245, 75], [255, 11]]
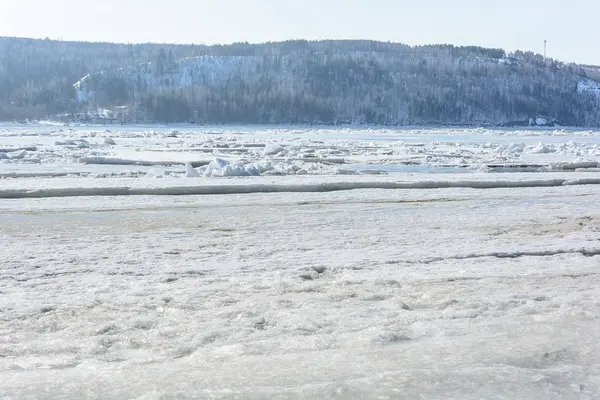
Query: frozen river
[[315, 278], [30, 151]]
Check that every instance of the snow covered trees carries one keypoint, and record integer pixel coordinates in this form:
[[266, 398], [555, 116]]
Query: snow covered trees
[[294, 82]]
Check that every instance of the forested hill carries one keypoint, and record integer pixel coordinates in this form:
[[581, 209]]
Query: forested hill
[[329, 82]]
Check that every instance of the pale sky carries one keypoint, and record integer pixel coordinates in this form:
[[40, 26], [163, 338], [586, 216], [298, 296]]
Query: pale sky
[[571, 27]]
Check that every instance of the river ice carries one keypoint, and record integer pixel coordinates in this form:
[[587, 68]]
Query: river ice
[[95, 152], [441, 286]]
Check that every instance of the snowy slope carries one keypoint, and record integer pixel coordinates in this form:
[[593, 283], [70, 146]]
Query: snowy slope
[[213, 71]]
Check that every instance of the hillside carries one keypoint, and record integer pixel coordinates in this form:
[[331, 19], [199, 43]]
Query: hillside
[[328, 82]]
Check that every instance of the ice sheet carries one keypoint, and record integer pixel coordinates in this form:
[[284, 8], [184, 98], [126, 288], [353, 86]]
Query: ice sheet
[[448, 293], [119, 186]]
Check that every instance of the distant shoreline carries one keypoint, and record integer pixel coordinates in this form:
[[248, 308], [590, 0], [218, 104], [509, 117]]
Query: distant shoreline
[[58, 124]]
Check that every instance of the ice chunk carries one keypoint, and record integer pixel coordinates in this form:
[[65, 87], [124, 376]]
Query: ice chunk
[[18, 155], [341, 171], [190, 172], [578, 164], [272, 149], [516, 147], [513, 150], [101, 160], [541, 149], [215, 167], [274, 172], [218, 163], [65, 143], [109, 142], [222, 168], [287, 186], [237, 169], [252, 170], [264, 165]]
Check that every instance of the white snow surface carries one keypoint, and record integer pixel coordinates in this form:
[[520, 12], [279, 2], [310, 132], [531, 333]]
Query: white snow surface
[[443, 294], [302, 274]]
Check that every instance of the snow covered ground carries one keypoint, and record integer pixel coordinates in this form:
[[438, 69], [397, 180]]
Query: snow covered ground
[[422, 284]]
